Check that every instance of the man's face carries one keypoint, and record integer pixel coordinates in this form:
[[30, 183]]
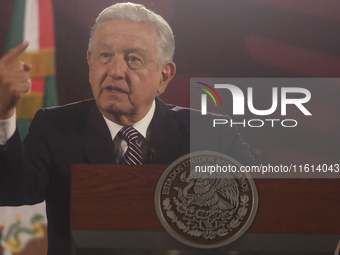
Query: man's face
[[124, 72]]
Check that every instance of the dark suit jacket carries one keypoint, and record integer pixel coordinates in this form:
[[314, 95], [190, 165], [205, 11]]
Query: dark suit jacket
[[39, 168]]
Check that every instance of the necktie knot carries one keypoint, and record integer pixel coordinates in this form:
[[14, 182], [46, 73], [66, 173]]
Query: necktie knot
[[129, 134], [133, 155]]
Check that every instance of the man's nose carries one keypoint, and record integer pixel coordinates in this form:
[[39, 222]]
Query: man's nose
[[117, 68]]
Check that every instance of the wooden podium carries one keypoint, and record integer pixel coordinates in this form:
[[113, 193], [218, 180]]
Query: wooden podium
[[113, 212]]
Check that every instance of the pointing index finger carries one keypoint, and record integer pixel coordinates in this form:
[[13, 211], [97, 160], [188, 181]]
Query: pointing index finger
[[14, 53]]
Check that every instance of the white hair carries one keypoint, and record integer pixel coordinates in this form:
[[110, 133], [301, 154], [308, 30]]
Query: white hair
[[138, 13]]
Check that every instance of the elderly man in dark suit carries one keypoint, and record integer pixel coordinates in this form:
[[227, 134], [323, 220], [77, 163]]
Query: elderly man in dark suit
[[130, 59]]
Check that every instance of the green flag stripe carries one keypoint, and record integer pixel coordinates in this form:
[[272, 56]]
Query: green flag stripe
[[23, 126], [16, 29], [51, 93]]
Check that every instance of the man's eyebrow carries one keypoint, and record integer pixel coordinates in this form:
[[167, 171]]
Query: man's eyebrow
[[131, 50], [135, 50]]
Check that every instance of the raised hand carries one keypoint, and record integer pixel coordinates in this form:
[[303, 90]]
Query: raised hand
[[14, 80]]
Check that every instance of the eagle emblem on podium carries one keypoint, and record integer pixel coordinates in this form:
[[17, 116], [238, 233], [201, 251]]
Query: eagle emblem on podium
[[205, 210]]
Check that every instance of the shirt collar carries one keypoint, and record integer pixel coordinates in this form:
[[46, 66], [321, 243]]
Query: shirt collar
[[141, 126]]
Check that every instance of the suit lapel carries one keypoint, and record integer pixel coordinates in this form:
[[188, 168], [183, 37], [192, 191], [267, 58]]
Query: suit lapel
[[96, 139], [168, 135]]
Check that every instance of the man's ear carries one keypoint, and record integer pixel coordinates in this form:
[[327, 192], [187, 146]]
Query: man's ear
[[89, 60], [168, 71]]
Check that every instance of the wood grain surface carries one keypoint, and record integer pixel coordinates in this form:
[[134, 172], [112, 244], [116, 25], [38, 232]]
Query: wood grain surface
[[116, 197]]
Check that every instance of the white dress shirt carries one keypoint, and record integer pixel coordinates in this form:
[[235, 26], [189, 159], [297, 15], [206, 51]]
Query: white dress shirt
[[7, 128]]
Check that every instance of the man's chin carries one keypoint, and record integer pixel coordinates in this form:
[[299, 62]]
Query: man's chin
[[115, 111], [113, 107]]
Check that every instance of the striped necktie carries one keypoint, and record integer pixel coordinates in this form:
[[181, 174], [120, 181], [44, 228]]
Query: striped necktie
[[133, 155]]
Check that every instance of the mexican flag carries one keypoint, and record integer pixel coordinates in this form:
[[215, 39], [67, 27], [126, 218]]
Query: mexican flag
[[33, 21]]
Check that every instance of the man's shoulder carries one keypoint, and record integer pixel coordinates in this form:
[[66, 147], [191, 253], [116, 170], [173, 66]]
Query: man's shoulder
[[73, 114], [80, 106], [194, 115], [179, 110], [174, 115]]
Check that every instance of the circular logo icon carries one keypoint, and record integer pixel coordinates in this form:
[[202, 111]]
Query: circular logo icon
[[204, 200]]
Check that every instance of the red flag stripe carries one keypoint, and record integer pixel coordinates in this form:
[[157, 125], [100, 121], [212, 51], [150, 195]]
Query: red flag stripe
[[46, 24], [38, 85]]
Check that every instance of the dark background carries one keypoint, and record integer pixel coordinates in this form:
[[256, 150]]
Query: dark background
[[227, 38]]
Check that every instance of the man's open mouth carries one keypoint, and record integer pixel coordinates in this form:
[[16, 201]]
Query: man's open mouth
[[115, 89]]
